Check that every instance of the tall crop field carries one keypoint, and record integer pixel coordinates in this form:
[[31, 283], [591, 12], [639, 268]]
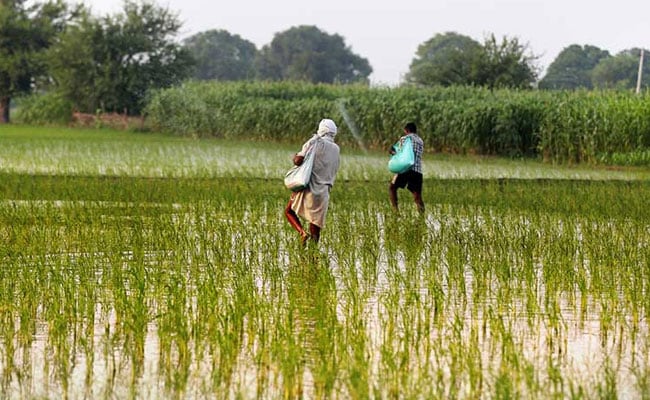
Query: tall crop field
[[560, 127]]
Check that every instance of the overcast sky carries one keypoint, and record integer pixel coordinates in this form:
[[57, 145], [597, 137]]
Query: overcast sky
[[388, 33]]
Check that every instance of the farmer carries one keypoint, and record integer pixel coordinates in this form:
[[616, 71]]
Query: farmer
[[411, 179], [312, 202]]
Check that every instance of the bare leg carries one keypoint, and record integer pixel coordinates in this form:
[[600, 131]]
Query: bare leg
[[417, 196], [314, 231], [294, 221], [392, 194]]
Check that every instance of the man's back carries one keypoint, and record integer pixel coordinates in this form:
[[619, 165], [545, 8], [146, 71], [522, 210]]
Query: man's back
[[418, 149], [326, 162]]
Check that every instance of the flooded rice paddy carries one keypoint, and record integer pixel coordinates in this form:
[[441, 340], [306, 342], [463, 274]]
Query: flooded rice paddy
[[138, 285], [217, 299]]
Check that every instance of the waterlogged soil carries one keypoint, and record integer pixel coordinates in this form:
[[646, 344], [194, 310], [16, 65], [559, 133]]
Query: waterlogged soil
[[184, 302]]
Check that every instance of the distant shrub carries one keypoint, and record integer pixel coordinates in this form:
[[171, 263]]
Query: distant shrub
[[43, 109]]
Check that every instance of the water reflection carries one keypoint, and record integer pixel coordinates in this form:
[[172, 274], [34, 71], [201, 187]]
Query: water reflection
[[440, 307]]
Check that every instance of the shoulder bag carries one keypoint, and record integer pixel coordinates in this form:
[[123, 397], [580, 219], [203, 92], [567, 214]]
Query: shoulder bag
[[297, 178], [404, 157]]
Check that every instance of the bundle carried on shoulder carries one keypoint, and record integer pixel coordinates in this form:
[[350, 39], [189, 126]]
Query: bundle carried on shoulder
[[297, 178], [404, 157]]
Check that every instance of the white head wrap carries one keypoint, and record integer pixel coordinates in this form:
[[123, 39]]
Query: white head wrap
[[326, 127]]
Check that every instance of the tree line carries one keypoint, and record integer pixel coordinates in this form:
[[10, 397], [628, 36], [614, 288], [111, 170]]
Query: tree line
[[112, 63]]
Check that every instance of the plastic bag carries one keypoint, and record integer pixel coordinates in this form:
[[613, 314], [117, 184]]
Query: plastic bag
[[297, 178], [403, 159]]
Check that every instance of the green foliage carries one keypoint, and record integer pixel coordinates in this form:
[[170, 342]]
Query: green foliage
[[222, 56], [49, 108], [573, 67], [446, 59], [560, 126], [506, 64], [305, 53], [585, 126], [500, 125], [26, 31], [638, 158], [72, 66], [621, 71], [453, 59], [110, 64]]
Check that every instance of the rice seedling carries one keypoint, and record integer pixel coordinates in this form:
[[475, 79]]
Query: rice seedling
[[152, 281]]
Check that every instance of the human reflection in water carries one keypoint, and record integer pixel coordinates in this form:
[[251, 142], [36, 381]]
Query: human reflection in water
[[311, 294]]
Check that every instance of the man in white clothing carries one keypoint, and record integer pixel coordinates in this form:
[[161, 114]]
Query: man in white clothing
[[312, 202]]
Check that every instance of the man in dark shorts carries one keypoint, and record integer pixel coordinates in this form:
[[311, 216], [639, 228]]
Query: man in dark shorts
[[411, 179]]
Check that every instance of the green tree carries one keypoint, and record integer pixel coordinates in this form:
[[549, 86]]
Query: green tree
[[222, 56], [572, 68], [621, 71], [26, 31], [453, 59], [111, 63], [308, 54], [506, 64], [73, 68], [446, 59]]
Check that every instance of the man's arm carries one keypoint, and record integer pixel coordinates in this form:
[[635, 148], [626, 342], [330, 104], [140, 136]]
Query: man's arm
[[392, 150]]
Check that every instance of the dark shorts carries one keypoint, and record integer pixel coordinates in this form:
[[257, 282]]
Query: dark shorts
[[410, 179]]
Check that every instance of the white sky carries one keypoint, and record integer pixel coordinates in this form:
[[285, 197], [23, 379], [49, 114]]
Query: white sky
[[388, 33]]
